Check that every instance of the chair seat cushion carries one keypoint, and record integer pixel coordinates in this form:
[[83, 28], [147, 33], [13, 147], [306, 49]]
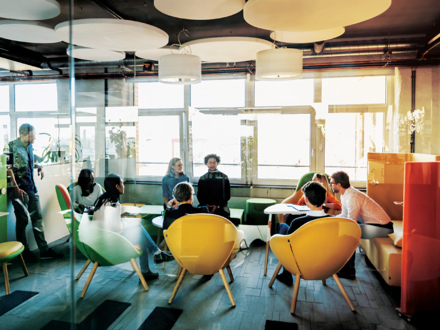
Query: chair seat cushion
[[10, 250]]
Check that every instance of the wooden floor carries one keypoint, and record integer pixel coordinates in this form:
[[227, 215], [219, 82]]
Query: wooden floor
[[205, 304]]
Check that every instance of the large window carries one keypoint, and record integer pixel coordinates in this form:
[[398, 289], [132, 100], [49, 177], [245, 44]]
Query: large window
[[226, 93], [219, 134], [4, 98], [4, 132], [36, 97], [284, 93], [156, 95]]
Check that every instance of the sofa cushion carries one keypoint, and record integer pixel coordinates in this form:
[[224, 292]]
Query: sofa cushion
[[398, 233]]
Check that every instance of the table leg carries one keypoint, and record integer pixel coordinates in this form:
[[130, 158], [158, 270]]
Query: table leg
[[269, 225], [159, 232]]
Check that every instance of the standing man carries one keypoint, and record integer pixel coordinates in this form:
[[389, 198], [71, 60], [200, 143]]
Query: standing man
[[27, 202], [357, 206]]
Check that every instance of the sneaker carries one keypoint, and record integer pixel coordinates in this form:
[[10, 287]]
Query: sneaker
[[285, 277], [28, 256], [50, 254], [150, 275], [162, 257], [348, 276]]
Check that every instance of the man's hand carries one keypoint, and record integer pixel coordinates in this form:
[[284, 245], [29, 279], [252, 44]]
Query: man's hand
[[173, 203], [18, 193], [212, 208], [41, 172]]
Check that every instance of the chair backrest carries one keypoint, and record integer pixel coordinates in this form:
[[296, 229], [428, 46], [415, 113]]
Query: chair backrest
[[63, 197], [293, 199], [104, 246], [318, 249], [201, 243]]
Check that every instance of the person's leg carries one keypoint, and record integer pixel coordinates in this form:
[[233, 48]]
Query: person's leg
[[137, 235], [22, 219], [284, 228], [37, 221], [370, 231]]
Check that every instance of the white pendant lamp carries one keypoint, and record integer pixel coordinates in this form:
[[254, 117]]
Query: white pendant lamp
[[307, 15], [199, 9], [302, 37], [181, 69], [29, 9], [279, 64]]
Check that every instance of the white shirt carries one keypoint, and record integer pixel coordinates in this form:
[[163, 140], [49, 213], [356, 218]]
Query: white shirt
[[319, 213], [357, 205], [86, 200]]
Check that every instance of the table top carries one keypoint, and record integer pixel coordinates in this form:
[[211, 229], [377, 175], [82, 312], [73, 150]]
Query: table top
[[286, 209], [3, 214], [261, 200], [158, 221], [151, 209]]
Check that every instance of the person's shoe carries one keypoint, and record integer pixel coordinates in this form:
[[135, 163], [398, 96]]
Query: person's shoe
[[207, 277], [51, 254], [162, 257], [285, 277], [29, 256], [348, 276], [150, 275]]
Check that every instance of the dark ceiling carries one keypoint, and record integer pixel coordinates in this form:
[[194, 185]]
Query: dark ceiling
[[399, 36]]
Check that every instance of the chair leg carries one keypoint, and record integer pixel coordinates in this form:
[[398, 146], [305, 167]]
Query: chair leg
[[179, 271], [228, 289], [266, 258], [89, 279], [176, 287], [5, 274], [23, 266], [83, 269], [344, 293], [274, 276], [295, 293], [231, 277], [138, 271]]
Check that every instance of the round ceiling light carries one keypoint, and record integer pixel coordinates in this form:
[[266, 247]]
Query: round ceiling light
[[28, 32], [306, 15], [302, 37], [227, 49], [29, 9], [112, 34], [91, 54], [279, 64], [199, 9], [180, 69]]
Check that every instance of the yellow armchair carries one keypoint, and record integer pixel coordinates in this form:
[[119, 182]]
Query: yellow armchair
[[202, 244], [316, 251]]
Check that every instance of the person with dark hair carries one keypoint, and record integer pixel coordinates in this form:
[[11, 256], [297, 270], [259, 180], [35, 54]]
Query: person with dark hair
[[314, 196], [87, 191], [27, 201], [173, 176], [107, 215], [183, 193], [214, 189], [357, 206]]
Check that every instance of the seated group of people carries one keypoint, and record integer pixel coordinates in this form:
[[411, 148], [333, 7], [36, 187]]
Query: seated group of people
[[355, 205]]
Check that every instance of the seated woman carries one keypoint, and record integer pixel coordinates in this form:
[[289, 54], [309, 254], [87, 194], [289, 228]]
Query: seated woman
[[107, 215], [86, 192], [183, 193], [174, 175], [214, 190]]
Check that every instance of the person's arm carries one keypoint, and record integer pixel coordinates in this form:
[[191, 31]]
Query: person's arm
[[227, 190], [76, 193], [332, 202], [201, 191], [165, 190], [301, 201], [353, 209], [40, 171]]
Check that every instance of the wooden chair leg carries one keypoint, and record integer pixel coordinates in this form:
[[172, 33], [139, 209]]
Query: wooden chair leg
[[228, 289], [165, 249], [266, 259], [138, 271], [5, 274], [231, 277], [344, 293], [83, 269], [176, 287], [295, 293], [23, 266], [274, 276], [89, 279], [179, 271]]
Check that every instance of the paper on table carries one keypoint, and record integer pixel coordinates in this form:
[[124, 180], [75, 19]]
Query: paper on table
[[300, 207]]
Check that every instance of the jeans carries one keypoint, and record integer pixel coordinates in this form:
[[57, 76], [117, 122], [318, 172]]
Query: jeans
[[29, 209], [137, 234]]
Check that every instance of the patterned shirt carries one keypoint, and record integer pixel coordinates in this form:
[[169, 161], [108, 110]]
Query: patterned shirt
[[23, 166], [357, 205]]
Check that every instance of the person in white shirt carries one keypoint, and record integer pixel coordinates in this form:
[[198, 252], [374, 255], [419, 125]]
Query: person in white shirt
[[87, 191], [357, 206]]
